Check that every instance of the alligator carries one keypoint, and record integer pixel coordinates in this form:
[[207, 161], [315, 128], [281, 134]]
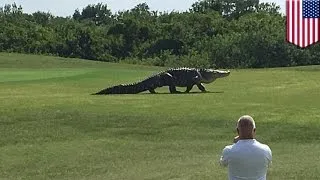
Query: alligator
[[173, 77]]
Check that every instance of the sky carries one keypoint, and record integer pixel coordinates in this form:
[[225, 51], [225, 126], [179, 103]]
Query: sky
[[67, 7]]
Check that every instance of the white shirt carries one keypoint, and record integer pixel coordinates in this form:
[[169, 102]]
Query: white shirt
[[247, 159]]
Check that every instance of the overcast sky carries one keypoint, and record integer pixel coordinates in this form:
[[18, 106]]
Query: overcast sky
[[67, 7]]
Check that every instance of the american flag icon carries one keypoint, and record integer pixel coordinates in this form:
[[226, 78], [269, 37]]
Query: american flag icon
[[302, 22]]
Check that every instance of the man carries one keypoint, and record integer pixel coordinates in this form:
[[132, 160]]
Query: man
[[246, 158]]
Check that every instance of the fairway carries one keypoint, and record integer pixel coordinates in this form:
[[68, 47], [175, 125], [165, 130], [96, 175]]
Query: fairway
[[52, 128]]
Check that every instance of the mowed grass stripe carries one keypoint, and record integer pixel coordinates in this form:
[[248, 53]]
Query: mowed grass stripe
[[52, 128]]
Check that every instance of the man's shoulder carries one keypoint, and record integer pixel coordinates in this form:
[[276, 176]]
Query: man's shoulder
[[266, 150], [227, 148], [263, 146]]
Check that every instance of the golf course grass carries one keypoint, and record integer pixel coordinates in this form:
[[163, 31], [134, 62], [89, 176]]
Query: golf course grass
[[52, 128]]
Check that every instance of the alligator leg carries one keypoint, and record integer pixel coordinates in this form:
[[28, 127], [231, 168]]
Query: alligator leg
[[152, 91], [169, 81], [196, 80], [189, 88], [173, 89], [201, 87]]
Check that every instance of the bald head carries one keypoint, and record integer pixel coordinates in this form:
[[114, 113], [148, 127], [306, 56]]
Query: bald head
[[246, 127]]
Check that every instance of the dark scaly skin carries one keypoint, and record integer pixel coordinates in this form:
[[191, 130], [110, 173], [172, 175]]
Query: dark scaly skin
[[174, 77], [149, 84]]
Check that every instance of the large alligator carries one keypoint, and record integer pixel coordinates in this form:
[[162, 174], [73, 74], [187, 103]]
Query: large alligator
[[174, 77]]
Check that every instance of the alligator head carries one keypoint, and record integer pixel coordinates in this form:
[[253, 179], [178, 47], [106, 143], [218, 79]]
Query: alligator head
[[210, 75]]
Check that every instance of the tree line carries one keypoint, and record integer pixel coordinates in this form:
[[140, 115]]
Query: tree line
[[211, 33]]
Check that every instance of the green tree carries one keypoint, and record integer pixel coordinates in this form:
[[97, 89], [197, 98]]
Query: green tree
[[97, 13]]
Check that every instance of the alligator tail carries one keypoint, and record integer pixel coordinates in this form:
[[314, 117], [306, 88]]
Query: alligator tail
[[123, 89]]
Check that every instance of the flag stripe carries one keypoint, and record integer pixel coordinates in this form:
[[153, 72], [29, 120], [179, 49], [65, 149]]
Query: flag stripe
[[317, 30], [295, 23], [308, 24], [313, 34], [288, 21], [300, 23]]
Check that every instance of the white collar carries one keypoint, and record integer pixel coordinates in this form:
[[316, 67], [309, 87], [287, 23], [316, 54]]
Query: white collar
[[246, 140]]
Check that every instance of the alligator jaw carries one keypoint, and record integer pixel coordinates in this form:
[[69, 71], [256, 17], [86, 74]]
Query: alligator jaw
[[222, 73], [212, 75]]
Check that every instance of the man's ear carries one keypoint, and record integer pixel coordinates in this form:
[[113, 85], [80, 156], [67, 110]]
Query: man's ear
[[238, 130]]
